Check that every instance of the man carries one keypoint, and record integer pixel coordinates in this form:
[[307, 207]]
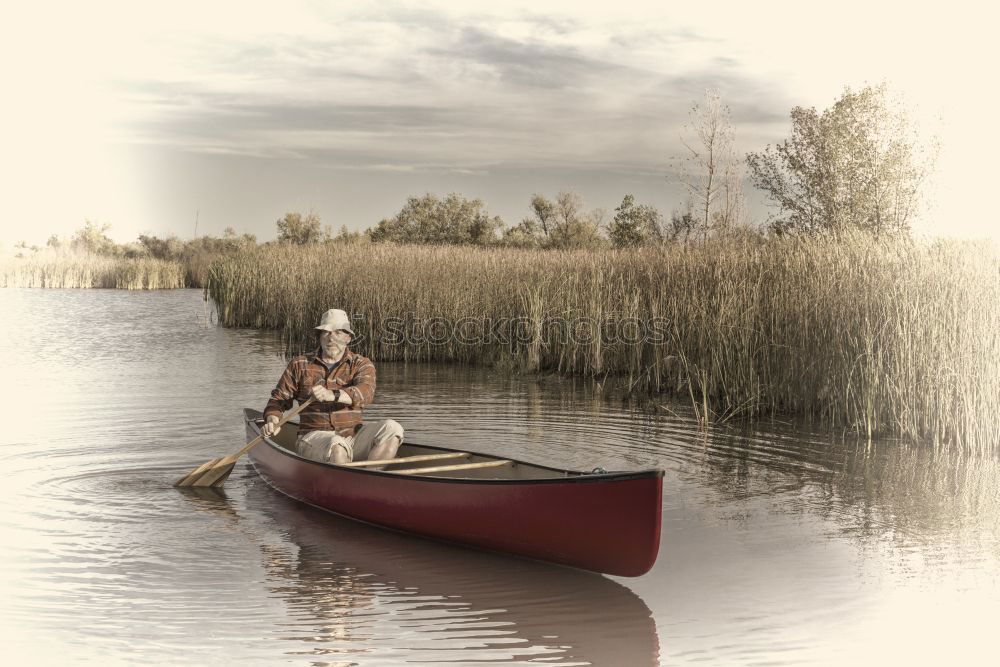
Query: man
[[342, 384]]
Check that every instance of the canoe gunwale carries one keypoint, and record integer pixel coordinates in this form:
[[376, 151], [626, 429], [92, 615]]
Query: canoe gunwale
[[252, 417]]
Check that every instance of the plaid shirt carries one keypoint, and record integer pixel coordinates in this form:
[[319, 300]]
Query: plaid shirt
[[354, 375]]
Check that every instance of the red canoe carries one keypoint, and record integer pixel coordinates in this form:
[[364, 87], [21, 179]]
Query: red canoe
[[605, 522]]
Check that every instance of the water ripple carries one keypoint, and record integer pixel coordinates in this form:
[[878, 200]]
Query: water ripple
[[775, 537]]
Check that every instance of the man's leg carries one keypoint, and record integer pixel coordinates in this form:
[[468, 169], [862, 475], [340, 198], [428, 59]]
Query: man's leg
[[378, 441], [340, 452], [325, 446]]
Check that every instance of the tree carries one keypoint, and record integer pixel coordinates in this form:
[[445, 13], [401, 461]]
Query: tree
[[533, 231], [563, 223], [682, 224], [233, 241], [294, 228], [857, 164], [544, 211], [348, 237], [525, 234], [712, 172], [93, 239], [634, 225], [133, 250], [429, 220], [168, 248]]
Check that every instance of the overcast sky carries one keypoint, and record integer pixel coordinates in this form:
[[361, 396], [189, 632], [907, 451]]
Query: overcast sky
[[149, 117]]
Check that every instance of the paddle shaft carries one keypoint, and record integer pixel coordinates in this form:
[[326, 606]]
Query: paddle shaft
[[215, 472], [253, 443], [461, 466]]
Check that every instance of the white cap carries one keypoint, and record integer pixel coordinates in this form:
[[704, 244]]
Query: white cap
[[335, 319]]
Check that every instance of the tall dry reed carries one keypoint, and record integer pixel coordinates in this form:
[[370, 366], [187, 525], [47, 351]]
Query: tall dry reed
[[88, 271], [882, 337]]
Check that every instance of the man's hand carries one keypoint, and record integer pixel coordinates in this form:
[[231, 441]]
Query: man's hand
[[321, 393], [271, 427]]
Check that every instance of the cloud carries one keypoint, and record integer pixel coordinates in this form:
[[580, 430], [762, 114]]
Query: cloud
[[136, 112], [528, 64], [420, 91]]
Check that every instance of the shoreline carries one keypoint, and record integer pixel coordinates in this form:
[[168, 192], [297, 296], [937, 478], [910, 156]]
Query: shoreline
[[859, 333], [882, 338]]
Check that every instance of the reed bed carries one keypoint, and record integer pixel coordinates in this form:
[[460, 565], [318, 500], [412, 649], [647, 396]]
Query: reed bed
[[74, 270], [878, 336]]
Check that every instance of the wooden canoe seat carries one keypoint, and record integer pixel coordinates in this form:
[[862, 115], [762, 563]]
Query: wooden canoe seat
[[407, 459], [463, 466]]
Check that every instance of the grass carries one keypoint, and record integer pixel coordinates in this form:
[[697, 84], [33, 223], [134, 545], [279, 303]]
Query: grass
[[875, 336], [80, 270]]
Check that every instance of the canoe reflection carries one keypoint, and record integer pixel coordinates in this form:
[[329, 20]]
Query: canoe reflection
[[357, 589]]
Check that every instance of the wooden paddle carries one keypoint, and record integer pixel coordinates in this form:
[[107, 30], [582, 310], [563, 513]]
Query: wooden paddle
[[215, 472]]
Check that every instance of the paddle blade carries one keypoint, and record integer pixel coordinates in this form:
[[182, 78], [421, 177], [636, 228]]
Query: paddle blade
[[216, 475], [187, 479]]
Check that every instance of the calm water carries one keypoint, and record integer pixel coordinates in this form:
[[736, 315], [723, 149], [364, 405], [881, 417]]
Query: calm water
[[780, 546]]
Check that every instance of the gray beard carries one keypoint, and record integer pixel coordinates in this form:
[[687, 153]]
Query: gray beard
[[333, 355]]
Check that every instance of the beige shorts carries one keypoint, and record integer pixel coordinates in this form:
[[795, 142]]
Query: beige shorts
[[318, 445]]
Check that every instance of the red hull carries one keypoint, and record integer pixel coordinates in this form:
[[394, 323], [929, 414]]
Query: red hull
[[606, 523]]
